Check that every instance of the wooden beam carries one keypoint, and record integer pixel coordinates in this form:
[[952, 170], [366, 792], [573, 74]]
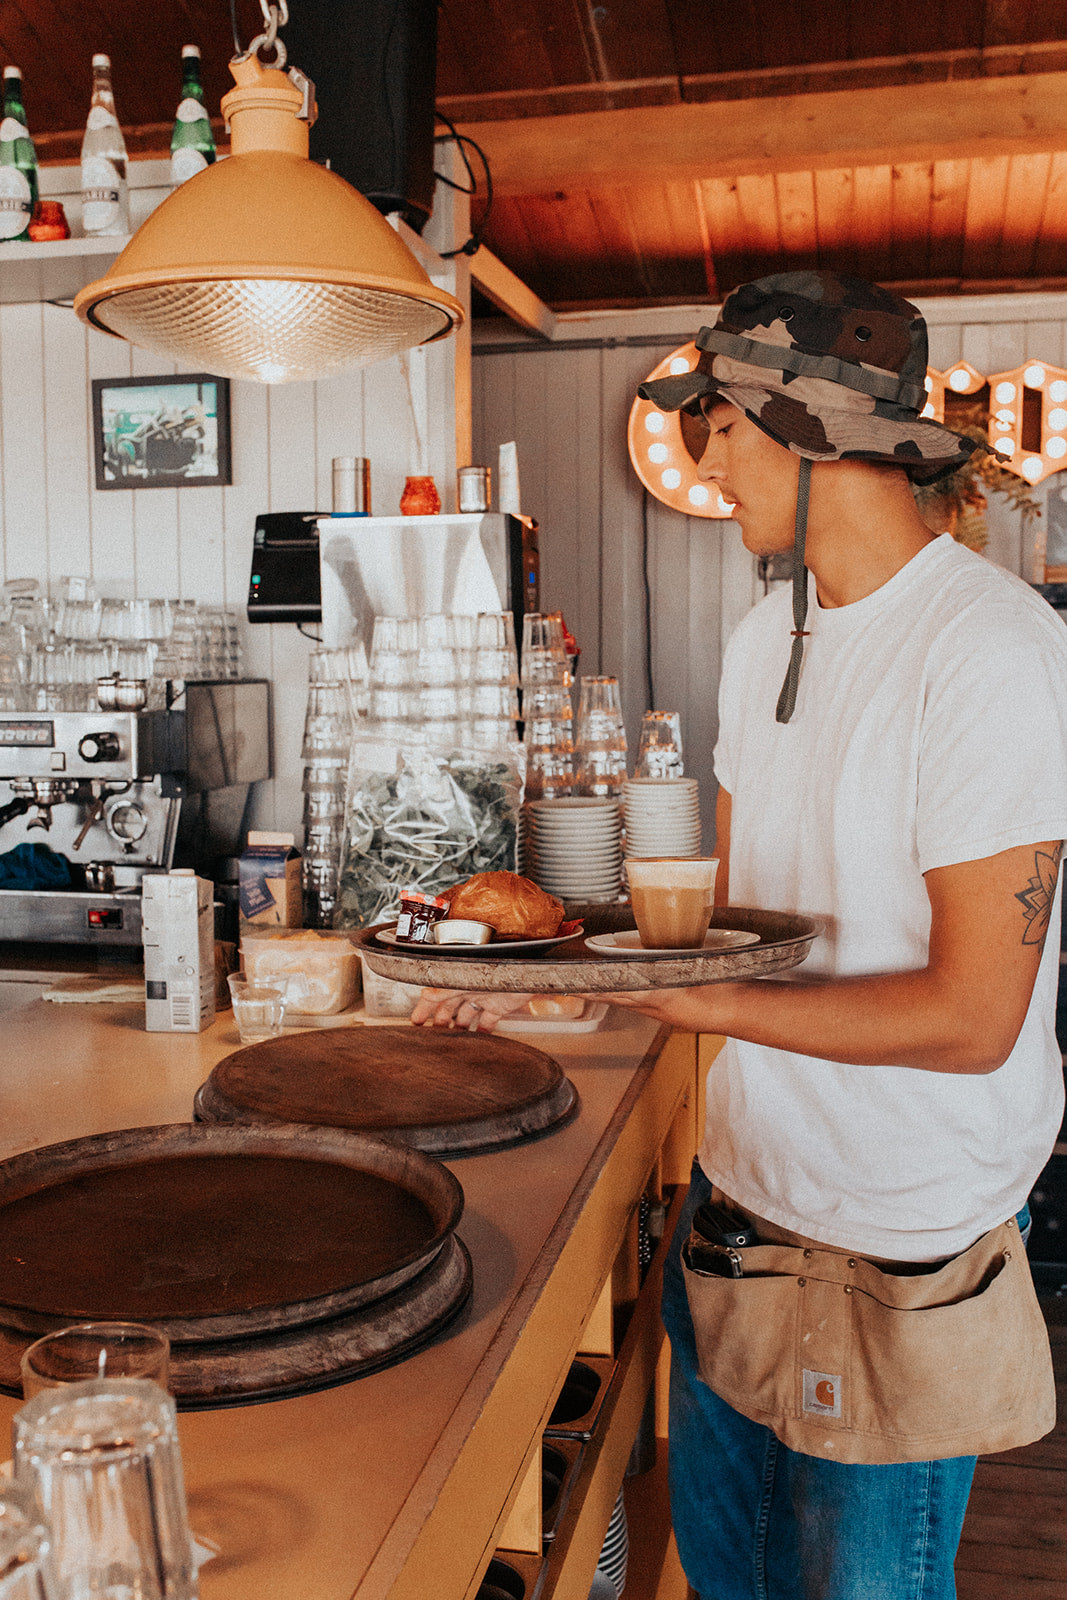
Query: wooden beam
[[983, 117], [509, 294]]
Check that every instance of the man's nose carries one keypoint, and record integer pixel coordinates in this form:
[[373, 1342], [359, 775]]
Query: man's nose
[[709, 467]]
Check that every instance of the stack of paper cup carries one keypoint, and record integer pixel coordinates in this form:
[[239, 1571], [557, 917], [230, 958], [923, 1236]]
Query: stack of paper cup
[[662, 817], [573, 847]]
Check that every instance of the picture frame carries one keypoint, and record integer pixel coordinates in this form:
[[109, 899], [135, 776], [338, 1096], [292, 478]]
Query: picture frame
[[166, 432]]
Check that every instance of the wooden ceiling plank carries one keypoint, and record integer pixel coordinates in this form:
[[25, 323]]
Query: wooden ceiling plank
[[873, 236], [631, 38], [948, 207], [983, 224], [835, 210], [795, 195], [1028, 178], [722, 211], [920, 122], [911, 184], [711, 277], [1050, 254], [757, 205], [669, 225]]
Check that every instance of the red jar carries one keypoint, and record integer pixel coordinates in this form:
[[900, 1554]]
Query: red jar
[[49, 221], [418, 913], [420, 498]]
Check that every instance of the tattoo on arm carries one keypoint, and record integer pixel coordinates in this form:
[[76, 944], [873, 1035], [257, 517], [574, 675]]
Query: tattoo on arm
[[1036, 899]]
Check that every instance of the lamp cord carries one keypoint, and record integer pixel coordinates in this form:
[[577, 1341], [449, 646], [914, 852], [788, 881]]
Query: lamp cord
[[474, 242]]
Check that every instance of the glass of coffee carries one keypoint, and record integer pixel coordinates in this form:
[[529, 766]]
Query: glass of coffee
[[672, 900]]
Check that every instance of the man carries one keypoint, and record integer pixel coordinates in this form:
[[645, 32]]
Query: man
[[893, 1101]]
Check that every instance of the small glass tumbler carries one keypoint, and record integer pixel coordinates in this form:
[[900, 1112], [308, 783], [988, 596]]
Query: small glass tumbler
[[104, 1462], [95, 1350], [25, 1547], [258, 1008], [659, 751]]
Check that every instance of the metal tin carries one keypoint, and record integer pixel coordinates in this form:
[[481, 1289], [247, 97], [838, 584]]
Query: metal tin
[[473, 488], [351, 486]]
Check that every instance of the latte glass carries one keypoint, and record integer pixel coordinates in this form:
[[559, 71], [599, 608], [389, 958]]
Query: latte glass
[[672, 900]]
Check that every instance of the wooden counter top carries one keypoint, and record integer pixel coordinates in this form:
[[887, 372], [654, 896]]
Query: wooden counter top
[[377, 1486]]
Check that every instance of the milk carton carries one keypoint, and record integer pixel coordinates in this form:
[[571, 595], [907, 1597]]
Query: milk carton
[[269, 880], [178, 932]]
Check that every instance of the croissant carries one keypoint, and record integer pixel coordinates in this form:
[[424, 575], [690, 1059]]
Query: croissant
[[513, 907]]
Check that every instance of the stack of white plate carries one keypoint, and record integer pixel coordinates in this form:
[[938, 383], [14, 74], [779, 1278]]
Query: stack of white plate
[[662, 817], [573, 847]]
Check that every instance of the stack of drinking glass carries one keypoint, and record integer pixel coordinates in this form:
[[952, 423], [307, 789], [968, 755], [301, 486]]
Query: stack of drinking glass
[[337, 699], [56, 644], [446, 681], [546, 707], [600, 748]]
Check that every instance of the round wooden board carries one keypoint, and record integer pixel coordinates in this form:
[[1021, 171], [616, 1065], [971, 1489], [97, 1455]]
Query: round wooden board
[[573, 968], [295, 1361], [214, 1233], [445, 1093]]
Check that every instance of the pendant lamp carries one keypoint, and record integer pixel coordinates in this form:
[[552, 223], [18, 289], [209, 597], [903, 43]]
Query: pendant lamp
[[266, 265]]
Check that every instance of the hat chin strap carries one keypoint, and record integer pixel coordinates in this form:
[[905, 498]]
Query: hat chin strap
[[788, 697]]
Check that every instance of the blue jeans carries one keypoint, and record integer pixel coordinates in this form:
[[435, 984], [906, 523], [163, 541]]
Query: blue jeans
[[755, 1520]]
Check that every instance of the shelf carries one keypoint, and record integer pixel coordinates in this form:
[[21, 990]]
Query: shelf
[[55, 270]]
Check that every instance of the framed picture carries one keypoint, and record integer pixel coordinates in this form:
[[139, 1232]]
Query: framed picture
[[171, 432]]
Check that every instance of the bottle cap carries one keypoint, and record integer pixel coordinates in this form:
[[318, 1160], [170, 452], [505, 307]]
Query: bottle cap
[[12, 72], [190, 50], [102, 61]]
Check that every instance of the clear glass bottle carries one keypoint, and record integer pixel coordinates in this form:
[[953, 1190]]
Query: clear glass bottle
[[192, 144], [105, 197], [18, 162]]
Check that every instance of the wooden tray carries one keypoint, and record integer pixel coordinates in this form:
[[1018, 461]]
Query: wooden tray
[[295, 1361], [785, 940], [214, 1233], [448, 1093]]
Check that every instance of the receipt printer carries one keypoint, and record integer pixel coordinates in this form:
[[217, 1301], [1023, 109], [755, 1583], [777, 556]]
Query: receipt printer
[[284, 585]]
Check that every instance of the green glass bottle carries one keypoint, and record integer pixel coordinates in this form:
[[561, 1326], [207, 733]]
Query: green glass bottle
[[192, 144], [18, 162]]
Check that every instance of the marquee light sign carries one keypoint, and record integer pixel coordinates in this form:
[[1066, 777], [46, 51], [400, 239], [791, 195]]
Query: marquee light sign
[[1026, 411]]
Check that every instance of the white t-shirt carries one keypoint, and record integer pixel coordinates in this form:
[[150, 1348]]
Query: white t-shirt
[[930, 728]]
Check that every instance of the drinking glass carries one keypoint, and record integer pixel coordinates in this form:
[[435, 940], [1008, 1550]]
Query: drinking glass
[[95, 1350], [672, 900], [544, 657], [258, 1008], [104, 1462], [659, 750], [25, 1547]]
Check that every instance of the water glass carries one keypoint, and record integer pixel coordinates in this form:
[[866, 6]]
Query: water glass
[[104, 1462], [549, 773], [544, 655], [25, 1547], [258, 1008], [95, 1350], [659, 752]]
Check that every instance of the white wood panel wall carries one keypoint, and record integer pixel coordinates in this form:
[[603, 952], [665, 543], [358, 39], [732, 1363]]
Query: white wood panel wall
[[566, 405], [197, 542]]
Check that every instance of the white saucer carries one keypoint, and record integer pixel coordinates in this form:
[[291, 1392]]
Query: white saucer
[[628, 943]]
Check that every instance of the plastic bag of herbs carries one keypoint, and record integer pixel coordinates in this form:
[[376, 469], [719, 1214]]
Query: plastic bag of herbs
[[425, 818]]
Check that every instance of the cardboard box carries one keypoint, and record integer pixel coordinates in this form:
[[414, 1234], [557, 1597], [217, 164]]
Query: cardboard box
[[178, 933], [321, 966], [269, 881]]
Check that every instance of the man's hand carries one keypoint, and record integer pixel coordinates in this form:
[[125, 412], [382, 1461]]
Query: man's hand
[[473, 1009]]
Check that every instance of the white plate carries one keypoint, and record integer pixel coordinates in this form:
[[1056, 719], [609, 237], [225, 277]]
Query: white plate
[[591, 1018], [494, 948], [628, 943]]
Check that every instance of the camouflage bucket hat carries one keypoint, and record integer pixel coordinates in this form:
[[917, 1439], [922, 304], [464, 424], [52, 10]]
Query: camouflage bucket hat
[[831, 367]]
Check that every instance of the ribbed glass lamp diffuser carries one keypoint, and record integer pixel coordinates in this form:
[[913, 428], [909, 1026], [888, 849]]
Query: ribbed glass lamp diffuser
[[266, 266]]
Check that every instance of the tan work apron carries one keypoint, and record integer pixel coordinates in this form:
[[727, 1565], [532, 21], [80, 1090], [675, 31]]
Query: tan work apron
[[852, 1361]]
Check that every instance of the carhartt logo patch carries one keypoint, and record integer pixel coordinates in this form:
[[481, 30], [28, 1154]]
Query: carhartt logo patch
[[822, 1393]]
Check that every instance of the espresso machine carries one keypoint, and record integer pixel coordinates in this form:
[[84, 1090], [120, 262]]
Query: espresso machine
[[116, 794]]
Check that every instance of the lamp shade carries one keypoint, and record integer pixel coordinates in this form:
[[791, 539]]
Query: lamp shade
[[265, 265]]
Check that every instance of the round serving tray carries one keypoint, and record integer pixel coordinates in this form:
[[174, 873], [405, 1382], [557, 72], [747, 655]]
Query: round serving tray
[[216, 1233], [293, 1361], [445, 1093], [784, 941]]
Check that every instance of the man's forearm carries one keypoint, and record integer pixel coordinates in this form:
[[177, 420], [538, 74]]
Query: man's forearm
[[905, 1019]]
